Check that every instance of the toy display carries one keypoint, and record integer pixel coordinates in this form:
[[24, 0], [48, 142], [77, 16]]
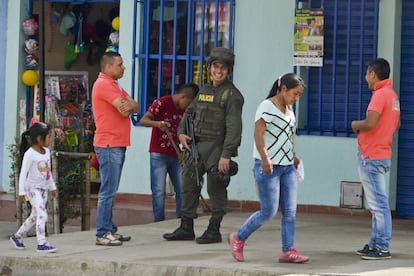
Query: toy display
[[67, 93], [30, 26]]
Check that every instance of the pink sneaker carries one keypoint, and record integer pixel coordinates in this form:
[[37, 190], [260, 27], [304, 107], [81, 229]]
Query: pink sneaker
[[292, 256], [236, 247]]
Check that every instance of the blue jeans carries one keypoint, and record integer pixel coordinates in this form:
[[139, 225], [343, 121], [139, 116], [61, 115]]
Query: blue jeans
[[276, 189], [111, 161], [372, 175], [162, 164]]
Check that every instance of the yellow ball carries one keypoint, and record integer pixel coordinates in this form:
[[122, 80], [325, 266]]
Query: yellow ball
[[115, 23], [30, 77]]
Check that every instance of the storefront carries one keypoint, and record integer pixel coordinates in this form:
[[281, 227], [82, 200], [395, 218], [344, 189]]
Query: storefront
[[74, 36], [165, 44]]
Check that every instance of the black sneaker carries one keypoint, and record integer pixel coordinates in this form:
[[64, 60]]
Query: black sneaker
[[377, 254], [364, 251]]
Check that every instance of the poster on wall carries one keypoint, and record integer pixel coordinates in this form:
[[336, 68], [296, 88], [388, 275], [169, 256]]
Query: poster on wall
[[52, 86], [308, 38]]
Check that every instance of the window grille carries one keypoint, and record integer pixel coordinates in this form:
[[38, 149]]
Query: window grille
[[337, 93], [176, 37]]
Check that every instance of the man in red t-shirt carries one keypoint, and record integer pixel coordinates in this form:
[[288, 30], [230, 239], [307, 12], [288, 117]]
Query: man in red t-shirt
[[375, 135], [111, 109], [164, 116]]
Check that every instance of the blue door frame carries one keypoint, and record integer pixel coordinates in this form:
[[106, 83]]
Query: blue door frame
[[3, 30], [405, 184]]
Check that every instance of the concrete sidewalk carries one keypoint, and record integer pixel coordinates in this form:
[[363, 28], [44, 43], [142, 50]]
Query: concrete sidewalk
[[329, 240]]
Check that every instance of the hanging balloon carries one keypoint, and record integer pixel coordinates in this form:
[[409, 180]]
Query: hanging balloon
[[114, 38], [30, 46], [30, 26], [30, 77], [115, 23], [31, 61], [111, 48]]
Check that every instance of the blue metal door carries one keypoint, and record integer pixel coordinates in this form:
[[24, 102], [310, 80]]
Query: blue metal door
[[405, 184]]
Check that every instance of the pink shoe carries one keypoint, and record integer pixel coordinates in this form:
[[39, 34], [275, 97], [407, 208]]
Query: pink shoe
[[292, 256], [236, 247]]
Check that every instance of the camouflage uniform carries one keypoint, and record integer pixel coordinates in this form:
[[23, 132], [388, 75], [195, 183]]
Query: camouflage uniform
[[217, 114], [217, 130]]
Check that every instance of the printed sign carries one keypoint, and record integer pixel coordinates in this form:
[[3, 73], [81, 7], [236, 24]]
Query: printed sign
[[308, 38]]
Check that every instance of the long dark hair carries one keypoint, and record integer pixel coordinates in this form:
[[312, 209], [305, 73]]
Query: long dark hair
[[290, 80], [36, 130]]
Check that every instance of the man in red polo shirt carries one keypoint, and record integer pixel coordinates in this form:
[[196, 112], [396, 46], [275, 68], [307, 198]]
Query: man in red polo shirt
[[111, 108], [375, 135]]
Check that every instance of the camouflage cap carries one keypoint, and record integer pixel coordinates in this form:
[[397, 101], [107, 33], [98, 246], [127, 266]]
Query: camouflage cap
[[222, 55]]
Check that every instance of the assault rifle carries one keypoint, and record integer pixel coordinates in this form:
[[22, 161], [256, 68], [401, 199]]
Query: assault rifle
[[189, 126]]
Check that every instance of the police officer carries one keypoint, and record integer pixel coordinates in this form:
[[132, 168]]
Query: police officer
[[217, 113]]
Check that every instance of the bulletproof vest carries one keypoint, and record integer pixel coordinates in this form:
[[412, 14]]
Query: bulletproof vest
[[209, 121]]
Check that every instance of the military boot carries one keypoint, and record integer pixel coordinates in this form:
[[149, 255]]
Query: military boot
[[212, 234], [183, 233]]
